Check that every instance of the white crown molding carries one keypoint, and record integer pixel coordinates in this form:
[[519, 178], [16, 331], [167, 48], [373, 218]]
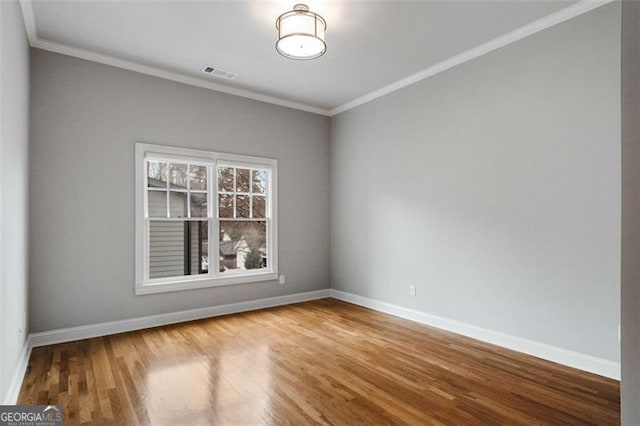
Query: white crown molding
[[558, 17], [89, 55], [29, 20], [565, 14], [169, 75], [600, 366]]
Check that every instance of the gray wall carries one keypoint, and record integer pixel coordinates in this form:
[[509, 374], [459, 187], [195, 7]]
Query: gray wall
[[494, 187], [14, 188], [86, 118], [630, 207]]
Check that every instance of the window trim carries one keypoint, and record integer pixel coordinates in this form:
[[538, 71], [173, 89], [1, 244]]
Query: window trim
[[144, 285]]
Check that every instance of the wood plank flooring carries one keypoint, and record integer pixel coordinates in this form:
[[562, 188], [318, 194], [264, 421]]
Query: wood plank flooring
[[321, 362]]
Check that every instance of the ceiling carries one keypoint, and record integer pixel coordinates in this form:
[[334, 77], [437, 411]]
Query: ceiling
[[371, 44]]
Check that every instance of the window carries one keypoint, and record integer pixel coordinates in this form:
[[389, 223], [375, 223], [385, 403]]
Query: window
[[203, 219]]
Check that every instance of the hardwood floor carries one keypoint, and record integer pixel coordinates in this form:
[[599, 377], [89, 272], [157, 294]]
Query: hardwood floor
[[321, 362]]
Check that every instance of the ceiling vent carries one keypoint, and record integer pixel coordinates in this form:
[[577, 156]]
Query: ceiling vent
[[217, 72]]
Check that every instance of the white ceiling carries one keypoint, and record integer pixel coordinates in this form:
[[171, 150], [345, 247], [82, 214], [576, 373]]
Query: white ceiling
[[371, 44]]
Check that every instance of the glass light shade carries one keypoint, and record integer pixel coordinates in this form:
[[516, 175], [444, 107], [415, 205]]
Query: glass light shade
[[301, 34]]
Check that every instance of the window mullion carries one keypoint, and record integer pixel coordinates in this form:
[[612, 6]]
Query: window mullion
[[188, 200], [214, 244], [168, 190], [235, 189], [250, 193]]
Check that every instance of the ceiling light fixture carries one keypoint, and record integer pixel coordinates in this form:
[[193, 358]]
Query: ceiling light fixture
[[301, 33]]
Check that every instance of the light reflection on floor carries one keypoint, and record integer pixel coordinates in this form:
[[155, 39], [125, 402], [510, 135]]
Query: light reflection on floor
[[236, 381], [319, 362]]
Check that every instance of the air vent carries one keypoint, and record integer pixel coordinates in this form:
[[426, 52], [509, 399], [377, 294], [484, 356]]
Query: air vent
[[217, 72]]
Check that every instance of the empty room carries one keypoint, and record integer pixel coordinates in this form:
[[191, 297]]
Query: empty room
[[334, 212]]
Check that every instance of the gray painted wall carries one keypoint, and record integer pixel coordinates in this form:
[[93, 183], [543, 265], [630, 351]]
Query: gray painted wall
[[630, 207], [86, 118], [494, 187], [14, 187]]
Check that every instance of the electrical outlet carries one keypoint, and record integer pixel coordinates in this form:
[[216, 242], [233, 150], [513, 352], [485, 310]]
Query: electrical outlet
[[281, 279], [412, 290]]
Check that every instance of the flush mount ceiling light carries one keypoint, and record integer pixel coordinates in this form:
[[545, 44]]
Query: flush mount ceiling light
[[301, 33]]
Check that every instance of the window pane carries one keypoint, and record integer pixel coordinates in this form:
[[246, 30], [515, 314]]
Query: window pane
[[259, 181], [178, 248], [198, 177], [156, 174], [242, 206], [258, 206], [178, 204], [201, 240], [225, 205], [242, 180], [243, 245], [198, 205], [225, 179], [157, 203], [178, 176]]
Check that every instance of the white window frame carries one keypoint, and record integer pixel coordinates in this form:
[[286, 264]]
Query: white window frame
[[214, 278]]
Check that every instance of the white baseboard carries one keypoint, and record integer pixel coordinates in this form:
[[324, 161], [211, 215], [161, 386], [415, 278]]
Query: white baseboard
[[11, 397], [106, 328], [573, 359]]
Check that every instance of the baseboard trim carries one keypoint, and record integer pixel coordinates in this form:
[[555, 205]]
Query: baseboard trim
[[11, 397], [113, 327], [591, 364], [573, 359], [106, 328]]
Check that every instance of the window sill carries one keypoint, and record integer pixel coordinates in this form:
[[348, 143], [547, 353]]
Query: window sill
[[142, 289]]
